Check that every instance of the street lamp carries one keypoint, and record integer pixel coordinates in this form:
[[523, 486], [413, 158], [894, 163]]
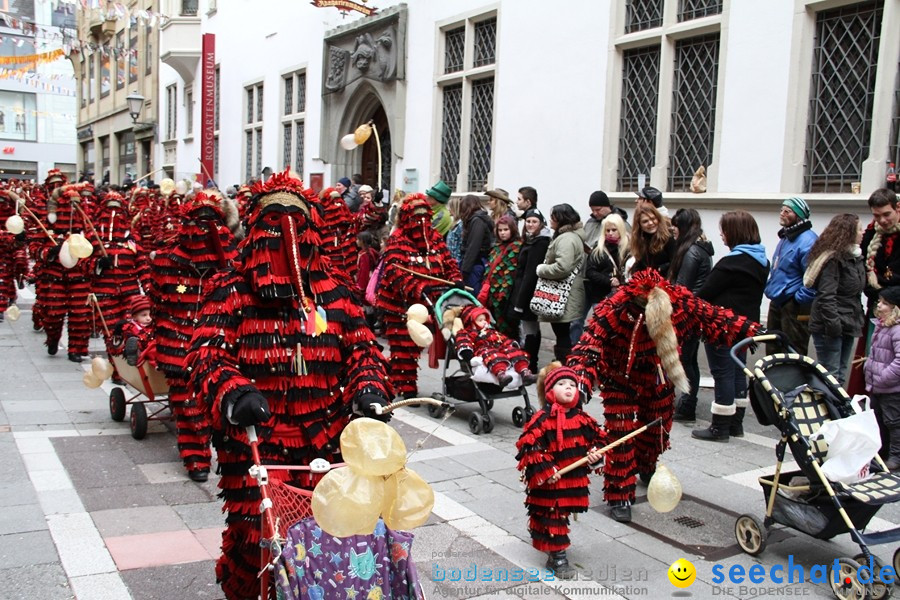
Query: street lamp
[[135, 105]]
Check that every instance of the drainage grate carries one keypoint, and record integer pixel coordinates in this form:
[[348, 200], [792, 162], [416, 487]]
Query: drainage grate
[[690, 522]]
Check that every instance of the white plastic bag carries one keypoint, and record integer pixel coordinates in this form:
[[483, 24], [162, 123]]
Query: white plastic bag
[[852, 444]]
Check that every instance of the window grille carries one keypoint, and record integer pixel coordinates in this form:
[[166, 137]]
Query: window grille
[[189, 8], [287, 141], [189, 112], [300, 130], [288, 94], [640, 95], [454, 49], [845, 58], [485, 42], [248, 156], [171, 112], [643, 14], [250, 105], [259, 141], [450, 135], [301, 92], [259, 103], [694, 9], [693, 108], [481, 130]]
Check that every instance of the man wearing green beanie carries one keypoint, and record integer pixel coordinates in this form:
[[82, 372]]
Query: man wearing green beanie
[[438, 196], [786, 277]]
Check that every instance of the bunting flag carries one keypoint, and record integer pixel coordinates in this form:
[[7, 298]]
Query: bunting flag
[[33, 80], [43, 57]]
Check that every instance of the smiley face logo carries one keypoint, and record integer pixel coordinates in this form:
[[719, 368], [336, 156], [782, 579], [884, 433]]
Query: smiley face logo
[[682, 573]]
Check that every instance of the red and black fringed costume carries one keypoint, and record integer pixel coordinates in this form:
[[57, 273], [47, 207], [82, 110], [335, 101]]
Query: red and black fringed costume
[[13, 257], [555, 437], [141, 208], [339, 235], [630, 350], [498, 283], [37, 203], [498, 352], [201, 246], [65, 291], [115, 275], [282, 340], [414, 246]]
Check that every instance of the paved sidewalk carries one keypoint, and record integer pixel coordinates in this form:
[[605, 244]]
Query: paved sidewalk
[[89, 512]]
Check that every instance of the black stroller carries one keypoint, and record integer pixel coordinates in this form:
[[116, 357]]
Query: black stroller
[[459, 384], [798, 395]]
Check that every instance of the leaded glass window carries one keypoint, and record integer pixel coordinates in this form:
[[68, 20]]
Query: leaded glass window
[[481, 130], [694, 9], [485, 42], [300, 130], [643, 14], [450, 134], [640, 95], [845, 58], [693, 108], [301, 92], [288, 94], [454, 49]]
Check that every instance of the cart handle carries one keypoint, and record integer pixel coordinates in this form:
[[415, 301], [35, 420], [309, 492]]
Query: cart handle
[[770, 336]]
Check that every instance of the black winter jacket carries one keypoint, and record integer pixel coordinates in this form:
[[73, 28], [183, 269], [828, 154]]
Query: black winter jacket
[[736, 282], [477, 240], [531, 255], [600, 270], [837, 309], [695, 266], [659, 261]]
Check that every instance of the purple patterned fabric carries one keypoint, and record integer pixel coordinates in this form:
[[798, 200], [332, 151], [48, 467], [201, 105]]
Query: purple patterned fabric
[[316, 566]]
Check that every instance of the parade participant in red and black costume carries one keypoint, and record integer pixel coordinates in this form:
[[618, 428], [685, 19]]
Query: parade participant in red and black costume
[[558, 435], [281, 344], [141, 208], [630, 349], [499, 353], [339, 235], [115, 274], [202, 245], [13, 257], [37, 201], [414, 246]]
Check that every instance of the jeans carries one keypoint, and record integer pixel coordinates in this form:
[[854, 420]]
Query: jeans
[[835, 353], [729, 378], [577, 327], [689, 350], [475, 277]]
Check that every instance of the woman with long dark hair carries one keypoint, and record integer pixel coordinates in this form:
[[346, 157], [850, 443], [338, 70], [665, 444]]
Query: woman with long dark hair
[[690, 266], [498, 279], [565, 255], [834, 279], [736, 282], [476, 241], [652, 246], [534, 247]]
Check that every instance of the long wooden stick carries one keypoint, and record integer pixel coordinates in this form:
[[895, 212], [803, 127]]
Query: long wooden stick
[[39, 224], [583, 461], [93, 298], [208, 176], [90, 225], [380, 410], [431, 277], [147, 175]]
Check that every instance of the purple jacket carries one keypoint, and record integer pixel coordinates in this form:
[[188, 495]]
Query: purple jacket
[[883, 364]]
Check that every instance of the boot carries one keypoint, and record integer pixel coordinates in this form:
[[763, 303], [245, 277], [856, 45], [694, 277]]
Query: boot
[[132, 351], [686, 412], [620, 511], [52, 348], [736, 429], [528, 377], [504, 380], [893, 460], [559, 564], [532, 346], [717, 430]]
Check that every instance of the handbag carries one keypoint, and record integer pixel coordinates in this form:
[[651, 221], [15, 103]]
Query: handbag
[[550, 296]]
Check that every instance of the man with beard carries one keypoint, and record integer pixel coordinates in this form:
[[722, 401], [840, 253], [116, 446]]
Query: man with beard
[[283, 345]]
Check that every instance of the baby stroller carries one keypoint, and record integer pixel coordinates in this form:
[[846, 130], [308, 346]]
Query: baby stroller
[[468, 383], [798, 395]]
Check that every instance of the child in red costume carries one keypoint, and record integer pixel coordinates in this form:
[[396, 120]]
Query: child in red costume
[[138, 332], [558, 435], [499, 353]]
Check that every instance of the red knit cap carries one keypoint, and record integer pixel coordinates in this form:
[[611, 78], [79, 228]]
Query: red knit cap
[[555, 375], [470, 315], [139, 303]]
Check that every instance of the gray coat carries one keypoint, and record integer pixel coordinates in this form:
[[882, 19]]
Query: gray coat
[[837, 307], [564, 255]]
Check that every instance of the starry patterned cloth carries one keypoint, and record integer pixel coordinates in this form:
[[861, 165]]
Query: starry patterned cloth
[[316, 566]]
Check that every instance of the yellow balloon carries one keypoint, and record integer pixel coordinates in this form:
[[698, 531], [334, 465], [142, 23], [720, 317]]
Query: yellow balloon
[[346, 503], [101, 368], [664, 490], [372, 447], [362, 133], [408, 500], [13, 313], [90, 380]]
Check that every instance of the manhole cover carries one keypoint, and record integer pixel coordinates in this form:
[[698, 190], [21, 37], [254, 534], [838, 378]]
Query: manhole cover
[[694, 526]]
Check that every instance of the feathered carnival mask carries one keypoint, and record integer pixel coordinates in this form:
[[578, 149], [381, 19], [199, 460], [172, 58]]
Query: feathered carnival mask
[[283, 236]]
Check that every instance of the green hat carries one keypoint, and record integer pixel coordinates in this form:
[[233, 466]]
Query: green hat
[[799, 206], [440, 192]]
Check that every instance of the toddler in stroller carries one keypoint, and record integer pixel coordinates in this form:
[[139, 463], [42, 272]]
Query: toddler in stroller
[[138, 332], [498, 353]]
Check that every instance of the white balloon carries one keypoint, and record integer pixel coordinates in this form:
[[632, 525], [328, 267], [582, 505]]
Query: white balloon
[[348, 142], [664, 490], [79, 247], [65, 257], [51, 217], [15, 225], [13, 313], [180, 188]]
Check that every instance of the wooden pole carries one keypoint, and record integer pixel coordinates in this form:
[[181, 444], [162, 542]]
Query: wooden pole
[[39, 224], [147, 175]]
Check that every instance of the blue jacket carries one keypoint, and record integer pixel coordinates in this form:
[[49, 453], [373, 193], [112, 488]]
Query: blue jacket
[[789, 263]]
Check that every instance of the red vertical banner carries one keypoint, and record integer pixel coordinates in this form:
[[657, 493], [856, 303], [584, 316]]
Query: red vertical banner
[[208, 106]]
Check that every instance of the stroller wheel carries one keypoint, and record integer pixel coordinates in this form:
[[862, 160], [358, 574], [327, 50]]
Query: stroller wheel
[[751, 536], [475, 423], [117, 404], [844, 583], [489, 404], [529, 412], [518, 416], [880, 589], [138, 420], [487, 422], [435, 411]]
